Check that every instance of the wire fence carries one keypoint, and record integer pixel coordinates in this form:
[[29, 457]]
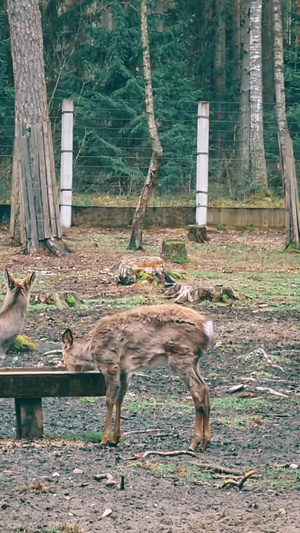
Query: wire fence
[[112, 151]]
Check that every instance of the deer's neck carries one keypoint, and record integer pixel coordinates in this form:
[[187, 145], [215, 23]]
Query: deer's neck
[[15, 303]]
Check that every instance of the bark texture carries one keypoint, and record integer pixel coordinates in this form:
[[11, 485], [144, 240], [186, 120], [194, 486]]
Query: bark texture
[[243, 154], [136, 239], [285, 141], [34, 170], [258, 162]]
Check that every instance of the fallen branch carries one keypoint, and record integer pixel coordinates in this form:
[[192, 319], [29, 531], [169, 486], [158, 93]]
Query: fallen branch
[[52, 352], [218, 468], [272, 391], [238, 484], [261, 351], [157, 452], [136, 431]]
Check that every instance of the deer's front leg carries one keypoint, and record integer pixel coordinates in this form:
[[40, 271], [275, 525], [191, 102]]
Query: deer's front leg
[[124, 382], [112, 381]]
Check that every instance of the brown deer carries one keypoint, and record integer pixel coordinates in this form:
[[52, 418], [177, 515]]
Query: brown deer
[[156, 335], [13, 312]]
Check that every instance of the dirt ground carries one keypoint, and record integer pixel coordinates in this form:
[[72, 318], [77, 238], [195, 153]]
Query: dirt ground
[[49, 486]]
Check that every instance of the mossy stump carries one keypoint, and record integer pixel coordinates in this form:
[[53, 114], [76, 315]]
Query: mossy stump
[[175, 251], [197, 233]]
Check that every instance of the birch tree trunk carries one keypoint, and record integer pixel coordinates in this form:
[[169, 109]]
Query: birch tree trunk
[[243, 136], [136, 239], [285, 141], [258, 161], [33, 168]]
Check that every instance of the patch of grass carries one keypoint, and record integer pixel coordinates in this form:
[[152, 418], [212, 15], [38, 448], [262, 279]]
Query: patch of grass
[[158, 403], [85, 436], [189, 473], [40, 308], [238, 422], [277, 478], [124, 303], [87, 400], [239, 404]]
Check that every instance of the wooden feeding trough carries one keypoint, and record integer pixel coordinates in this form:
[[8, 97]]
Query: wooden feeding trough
[[29, 385]]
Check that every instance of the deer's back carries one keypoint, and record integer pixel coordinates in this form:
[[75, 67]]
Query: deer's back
[[145, 335]]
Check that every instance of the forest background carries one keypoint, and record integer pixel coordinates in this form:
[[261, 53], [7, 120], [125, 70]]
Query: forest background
[[200, 50]]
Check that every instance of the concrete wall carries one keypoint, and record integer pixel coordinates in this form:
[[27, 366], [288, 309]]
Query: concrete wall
[[170, 217]]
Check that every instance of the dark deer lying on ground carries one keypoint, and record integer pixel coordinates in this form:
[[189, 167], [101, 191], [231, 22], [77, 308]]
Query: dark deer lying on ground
[[13, 312], [155, 335]]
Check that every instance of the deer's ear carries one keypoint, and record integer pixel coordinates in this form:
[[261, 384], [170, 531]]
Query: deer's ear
[[67, 338], [9, 280], [29, 281]]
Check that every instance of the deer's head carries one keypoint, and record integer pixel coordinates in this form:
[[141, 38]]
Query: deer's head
[[18, 289], [76, 354]]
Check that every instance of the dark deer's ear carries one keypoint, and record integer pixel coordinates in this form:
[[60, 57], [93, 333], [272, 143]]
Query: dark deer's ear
[[67, 338], [29, 281], [9, 280]]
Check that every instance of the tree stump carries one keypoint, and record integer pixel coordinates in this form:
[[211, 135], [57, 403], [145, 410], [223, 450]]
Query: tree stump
[[195, 292], [174, 251], [197, 233], [141, 268]]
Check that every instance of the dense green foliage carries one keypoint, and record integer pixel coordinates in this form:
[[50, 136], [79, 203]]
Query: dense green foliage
[[93, 55]]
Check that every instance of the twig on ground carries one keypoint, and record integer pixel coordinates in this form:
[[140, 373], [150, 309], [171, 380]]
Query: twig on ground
[[136, 431], [52, 352], [157, 452], [218, 468], [238, 484]]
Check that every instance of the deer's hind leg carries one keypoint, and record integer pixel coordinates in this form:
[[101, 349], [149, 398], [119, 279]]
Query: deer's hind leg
[[124, 382], [113, 383], [199, 391]]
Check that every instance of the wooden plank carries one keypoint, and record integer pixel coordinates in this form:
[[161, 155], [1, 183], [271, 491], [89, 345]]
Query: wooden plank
[[36, 185], [28, 384], [27, 182], [29, 418], [55, 195], [49, 179], [45, 203]]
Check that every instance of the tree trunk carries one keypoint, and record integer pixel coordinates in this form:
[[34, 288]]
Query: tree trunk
[[285, 142], [259, 179], [33, 147], [236, 41], [267, 55], [243, 136], [136, 239], [219, 59], [298, 25]]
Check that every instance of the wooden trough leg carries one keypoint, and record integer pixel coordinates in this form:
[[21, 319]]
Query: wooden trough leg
[[29, 417]]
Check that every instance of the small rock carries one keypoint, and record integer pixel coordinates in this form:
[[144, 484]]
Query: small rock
[[106, 513], [294, 466], [77, 471], [55, 474]]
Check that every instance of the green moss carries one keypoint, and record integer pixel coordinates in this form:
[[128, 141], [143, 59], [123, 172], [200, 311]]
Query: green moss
[[23, 344]]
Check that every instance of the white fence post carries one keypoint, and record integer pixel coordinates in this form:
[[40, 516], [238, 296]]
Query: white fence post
[[66, 163], [202, 163]]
